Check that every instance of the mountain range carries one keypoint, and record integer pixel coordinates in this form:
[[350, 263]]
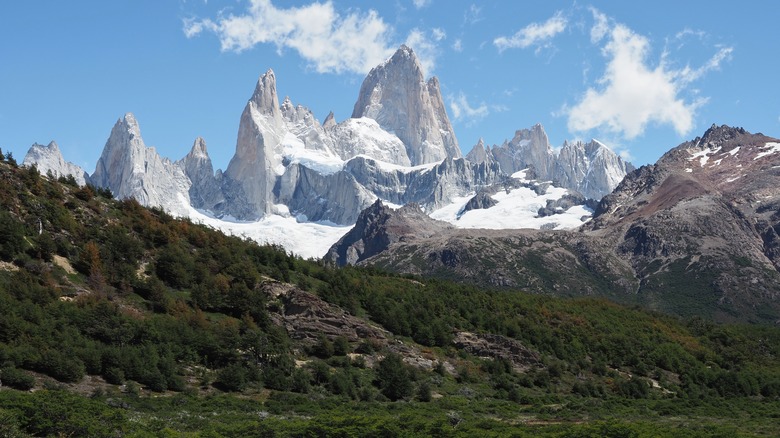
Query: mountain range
[[399, 147], [696, 233]]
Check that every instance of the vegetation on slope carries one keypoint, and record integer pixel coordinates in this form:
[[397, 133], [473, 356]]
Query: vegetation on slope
[[127, 322]]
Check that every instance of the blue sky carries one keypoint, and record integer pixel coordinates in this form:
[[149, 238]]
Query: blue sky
[[641, 77]]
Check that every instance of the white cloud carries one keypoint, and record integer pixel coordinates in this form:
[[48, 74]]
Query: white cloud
[[632, 94], [331, 42], [463, 110], [473, 14], [534, 34], [600, 27], [689, 74], [457, 45], [439, 34], [419, 4]]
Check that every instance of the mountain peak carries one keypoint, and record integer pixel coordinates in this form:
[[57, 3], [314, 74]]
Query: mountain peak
[[719, 134], [199, 149], [330, 121], [52, 146], [396, 95], [264, 97], [128, 120]]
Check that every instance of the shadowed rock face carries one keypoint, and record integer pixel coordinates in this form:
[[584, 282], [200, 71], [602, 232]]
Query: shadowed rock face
[[380, 226], [694, 234], [396, 95]]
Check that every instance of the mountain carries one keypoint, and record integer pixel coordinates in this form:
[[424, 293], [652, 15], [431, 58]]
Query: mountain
[[591, 169], [206, 188], [398, 147], [694, 234], [132, 170], [49, 159], [398, 97]]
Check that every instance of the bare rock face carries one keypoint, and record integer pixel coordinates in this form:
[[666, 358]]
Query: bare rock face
[[49, 159], [591, 169], [260, 134], [132, 170], [479, 153], [364, 136], [205, 190], [396, 95]]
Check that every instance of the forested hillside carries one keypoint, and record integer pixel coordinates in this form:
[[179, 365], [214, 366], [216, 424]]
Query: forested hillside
[[117, 320]]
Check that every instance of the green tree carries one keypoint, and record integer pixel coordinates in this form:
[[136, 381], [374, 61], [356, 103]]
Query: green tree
[[393, 377], [11, 236]]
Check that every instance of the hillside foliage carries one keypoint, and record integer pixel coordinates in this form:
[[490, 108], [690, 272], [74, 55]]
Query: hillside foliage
[[106, 305]]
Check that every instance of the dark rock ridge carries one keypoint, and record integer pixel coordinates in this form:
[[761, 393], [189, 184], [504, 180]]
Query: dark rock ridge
[[697, 233], [378, 227]]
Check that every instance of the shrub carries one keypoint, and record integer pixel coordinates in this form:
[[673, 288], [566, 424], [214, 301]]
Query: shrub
[[16, 378]]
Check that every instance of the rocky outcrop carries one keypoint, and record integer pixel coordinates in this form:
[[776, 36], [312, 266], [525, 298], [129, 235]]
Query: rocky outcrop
[[378, 227], [307, 317], [490, 346], [396, 95], [48, 159], [481, 200]]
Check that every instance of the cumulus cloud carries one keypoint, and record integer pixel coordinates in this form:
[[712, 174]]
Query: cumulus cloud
[[419, 4], [331, 42], [633, 94], [439, 34], [463, 110], [535, 34]]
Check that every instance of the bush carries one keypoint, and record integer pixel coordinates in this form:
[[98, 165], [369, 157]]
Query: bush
[[233, 377], [16, 378]]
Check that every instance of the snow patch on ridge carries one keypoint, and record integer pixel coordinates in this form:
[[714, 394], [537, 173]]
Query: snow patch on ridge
[[771, 147], [704, 155]]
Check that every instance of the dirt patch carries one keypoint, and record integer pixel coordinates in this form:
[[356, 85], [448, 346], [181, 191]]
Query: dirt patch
[[63, 263], [5, 266]]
